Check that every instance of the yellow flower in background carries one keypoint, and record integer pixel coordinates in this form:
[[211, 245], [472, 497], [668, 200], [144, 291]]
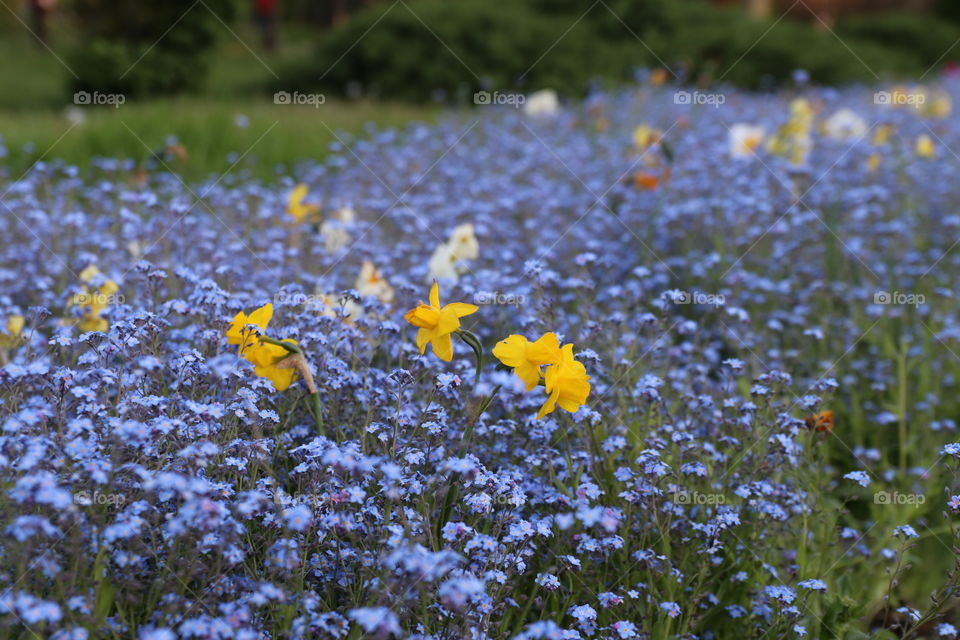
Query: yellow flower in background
[[567, 383], [882, 135], [94, 298], [265, 358], [14, 331], [645, 136], [939, 107], [239, 333], [526, 358], [436, 323], [371, 282], [793, 139], [925, 147], [296, 206], [873, 162]]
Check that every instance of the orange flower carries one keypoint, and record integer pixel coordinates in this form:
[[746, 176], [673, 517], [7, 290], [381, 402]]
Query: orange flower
[[822, 421]]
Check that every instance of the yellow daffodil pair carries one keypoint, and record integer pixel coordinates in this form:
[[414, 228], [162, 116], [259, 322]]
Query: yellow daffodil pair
[[245, 332], [94, 299], [565, 378]]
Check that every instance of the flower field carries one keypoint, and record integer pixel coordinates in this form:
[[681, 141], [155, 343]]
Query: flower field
[[660, 364]]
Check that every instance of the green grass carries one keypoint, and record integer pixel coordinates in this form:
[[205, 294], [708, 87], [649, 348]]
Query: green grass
[[35, 101]]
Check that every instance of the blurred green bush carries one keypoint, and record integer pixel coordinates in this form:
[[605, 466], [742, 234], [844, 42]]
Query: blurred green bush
[[140, 48], [447, 50]]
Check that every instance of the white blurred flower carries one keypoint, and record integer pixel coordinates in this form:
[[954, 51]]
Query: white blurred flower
[[745, 139], [845, 124], [371, 282], [542, 103], [443, 264], [463, 243]]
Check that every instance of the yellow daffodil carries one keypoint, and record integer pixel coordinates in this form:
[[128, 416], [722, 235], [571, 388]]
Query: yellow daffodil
[[240, 335], [527, 358], [265, 358], [567, 384], [436, 323], [264, 355], [12, 336], [925, 147], [296, 206]]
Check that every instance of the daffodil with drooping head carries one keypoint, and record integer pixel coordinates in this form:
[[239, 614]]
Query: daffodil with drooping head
[[436, 323], [528, 358], [296, 206], [265, 358]]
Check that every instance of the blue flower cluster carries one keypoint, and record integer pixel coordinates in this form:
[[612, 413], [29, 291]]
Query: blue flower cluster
[[771, 338]]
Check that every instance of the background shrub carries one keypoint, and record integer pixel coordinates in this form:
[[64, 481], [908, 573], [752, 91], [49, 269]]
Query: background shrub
[[532, 47], [131, 48]]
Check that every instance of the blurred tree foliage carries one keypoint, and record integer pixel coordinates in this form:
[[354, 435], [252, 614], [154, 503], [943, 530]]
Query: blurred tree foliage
[[140, 48], [444, 49]]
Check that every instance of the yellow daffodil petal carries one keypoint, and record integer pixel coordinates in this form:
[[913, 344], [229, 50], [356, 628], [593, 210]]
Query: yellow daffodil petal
[[448, 321], [546, 350], [462, 308], [15, 325], [435, 295], [512, 350], [261, 317], [529, 373], [423, 337], [443, 347], [423, 316]]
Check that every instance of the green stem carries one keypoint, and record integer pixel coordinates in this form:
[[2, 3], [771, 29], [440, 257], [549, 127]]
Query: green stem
[[289, 346]]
